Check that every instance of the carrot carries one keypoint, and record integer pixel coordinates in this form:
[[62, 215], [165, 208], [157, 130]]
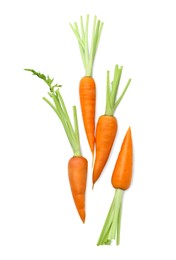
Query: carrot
[[107, 124], [87, 100], [87, 86], [77, 173], [77, 165], [122, 174], [106, 127], [121, 179]]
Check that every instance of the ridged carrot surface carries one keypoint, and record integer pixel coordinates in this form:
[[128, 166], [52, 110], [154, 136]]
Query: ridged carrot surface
[[122, 174], [105, 135], [77, 172], [87, 93]]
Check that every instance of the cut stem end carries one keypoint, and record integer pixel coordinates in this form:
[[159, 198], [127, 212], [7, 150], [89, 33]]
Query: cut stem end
[[111, 228]]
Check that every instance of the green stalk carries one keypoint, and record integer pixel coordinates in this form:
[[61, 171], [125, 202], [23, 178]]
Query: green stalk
[[88, 52], [112, 90], [64, 125], [122, 95], [99, 34], [82, 29], [59, 108], [119, 225], [81, 43], [65, 113], [108, 110], [95, 39], [78, 151], [107, 224], [86, 40], [64, 119], [111, 228], [115, 83]]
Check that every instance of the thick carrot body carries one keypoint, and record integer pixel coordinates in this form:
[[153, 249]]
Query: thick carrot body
[[77, 173], [87, 93], [107, 124], [105, 134], [122, 174]]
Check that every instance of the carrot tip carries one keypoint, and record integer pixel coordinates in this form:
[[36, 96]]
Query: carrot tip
[[83, 218], [82, 214], [92, 159]]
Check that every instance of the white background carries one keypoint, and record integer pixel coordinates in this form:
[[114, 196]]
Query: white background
[[38, 219]]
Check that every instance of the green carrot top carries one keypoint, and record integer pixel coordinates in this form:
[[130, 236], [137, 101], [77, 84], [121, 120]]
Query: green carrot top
[[59, 107], [88, 52], [112, 89]]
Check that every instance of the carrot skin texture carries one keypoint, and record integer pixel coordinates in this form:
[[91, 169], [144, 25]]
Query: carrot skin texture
[[105, 134], [77, 173], [87, 93], [122, 174]]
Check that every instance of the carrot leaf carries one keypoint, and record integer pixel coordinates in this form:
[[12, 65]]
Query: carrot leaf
[[59, 108], [88, 51], [111, 94], [46, 79], [111, 228]]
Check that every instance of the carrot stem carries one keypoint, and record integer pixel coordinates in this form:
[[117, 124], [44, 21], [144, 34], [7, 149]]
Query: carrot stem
[[88, 52], [61, 111], [119, 225], [78, 152], [112, 90], [64, 124], [82, 29], [86, 40], [64, 110], [123, 93], [115, 83], [108, 91], [111, 228]]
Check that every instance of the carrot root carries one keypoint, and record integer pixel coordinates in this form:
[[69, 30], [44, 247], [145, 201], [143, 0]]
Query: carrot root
[[105, 135], [87, 93], [122, 173], [77, 173]]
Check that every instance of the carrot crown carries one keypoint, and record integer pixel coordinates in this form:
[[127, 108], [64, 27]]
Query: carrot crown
[[88, 52], [59, 107], [112, 89]]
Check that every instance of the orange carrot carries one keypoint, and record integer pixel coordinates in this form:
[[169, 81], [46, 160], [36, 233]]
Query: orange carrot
[[77, 172], [122, 174], [87, 94], [107, 124], [121, 179], [106, 127], [87, 86], [77, 165]]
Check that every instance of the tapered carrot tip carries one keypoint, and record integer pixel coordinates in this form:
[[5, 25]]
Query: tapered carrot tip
[[82, 215], [77, 173], [92, 158], [79, 200]]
